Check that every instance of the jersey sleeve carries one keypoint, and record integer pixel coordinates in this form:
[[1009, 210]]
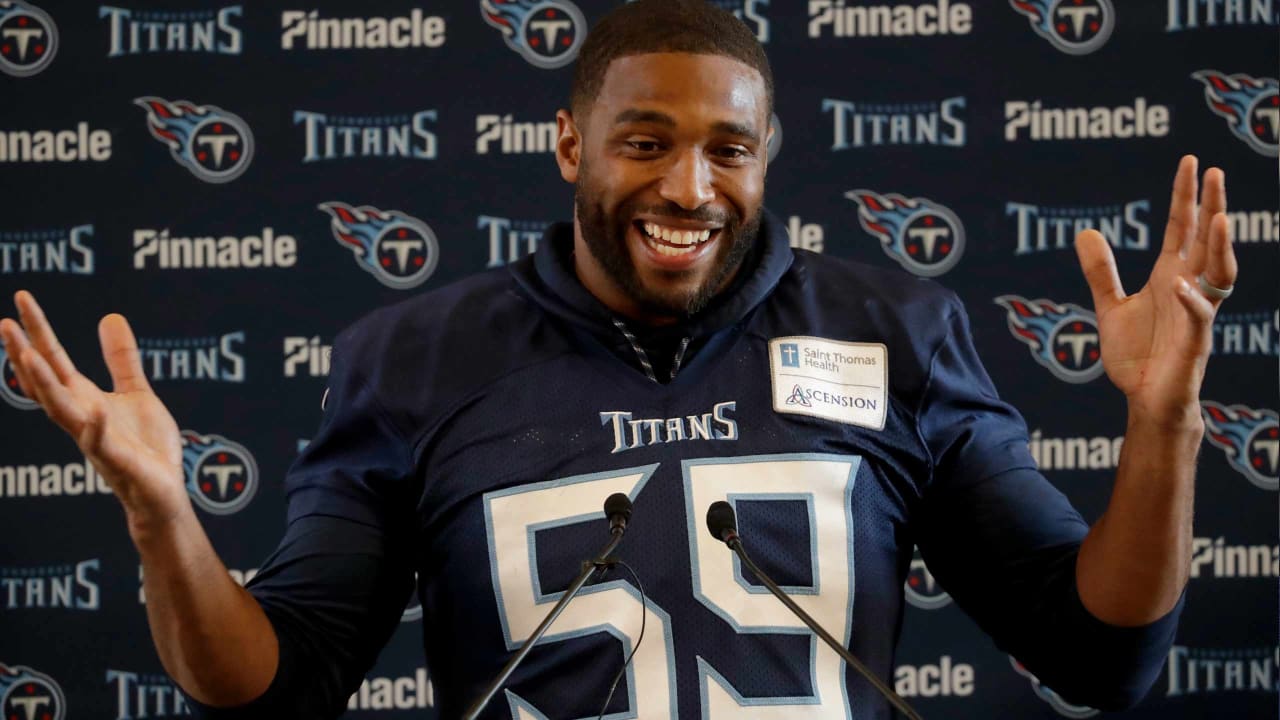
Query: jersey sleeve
[[1003, 541], [336, 585]]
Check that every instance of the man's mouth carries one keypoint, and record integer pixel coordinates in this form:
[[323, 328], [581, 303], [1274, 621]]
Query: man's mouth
[[672, 241]]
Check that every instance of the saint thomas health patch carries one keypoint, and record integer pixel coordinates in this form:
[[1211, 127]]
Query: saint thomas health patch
[[842, 381]]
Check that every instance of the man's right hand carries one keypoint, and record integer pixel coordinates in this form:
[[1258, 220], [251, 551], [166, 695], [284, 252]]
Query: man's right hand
[[212, 636], [127, 434]]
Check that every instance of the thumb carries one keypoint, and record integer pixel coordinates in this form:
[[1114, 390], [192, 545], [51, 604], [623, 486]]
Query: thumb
[[120, 352]]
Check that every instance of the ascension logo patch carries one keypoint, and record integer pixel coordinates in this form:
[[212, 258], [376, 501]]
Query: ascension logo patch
[[221, 475], [215, 145], [1063, 338], [546, 33], [1076, 27], [401, 251], [10, 390], [1055, 700], [797, 397], [28, 38], [1250, 105], [1249, 437], [923, 236], [26, 694]]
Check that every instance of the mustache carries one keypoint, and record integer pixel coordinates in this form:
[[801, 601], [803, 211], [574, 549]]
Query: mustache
[[705, 214]]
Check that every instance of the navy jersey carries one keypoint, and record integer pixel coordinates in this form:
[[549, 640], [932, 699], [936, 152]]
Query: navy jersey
[[471, 434]]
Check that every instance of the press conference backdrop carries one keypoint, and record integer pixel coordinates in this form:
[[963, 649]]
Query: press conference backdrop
[[243, 180]]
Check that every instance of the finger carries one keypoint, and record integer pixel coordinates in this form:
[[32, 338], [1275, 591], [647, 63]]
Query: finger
[[1221, 268], [53, 396], [1200, 310], [120, 352], [1182, 208], [15, 341], [42, 335], [1213, 200], [1099, 267]]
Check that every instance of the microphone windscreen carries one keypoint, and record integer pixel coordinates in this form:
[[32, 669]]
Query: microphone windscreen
[[720, 518], [617, 504]]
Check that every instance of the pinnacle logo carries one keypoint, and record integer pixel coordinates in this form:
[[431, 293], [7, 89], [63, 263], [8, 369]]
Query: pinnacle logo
[[1250, 105], [920, 589], [10, 390], [215, 145], [1076, 27], [1063, 338], [1055, 700], [221, 475], [797, 397], [1250, 438], [546, 33], [27, 694], [923, 236], [399, 250], [28, 38]]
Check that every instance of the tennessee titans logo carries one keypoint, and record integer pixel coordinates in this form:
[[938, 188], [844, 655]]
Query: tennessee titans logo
[[750, 12], [221, 475], [1250, 105], [922, 590], [922, 236], [215, 145], [10, 390], [1055, 700], [29, 695], [28, 38], [1076, 27], [797, 398], [775, 142], [1251, 439], [546, 33], [1063, 338], [401, 251]]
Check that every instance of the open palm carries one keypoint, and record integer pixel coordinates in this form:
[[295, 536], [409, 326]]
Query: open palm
[[127, 434], [1156, 342]]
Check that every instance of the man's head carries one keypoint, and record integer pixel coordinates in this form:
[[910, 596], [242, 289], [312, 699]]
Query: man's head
[[666, 145]]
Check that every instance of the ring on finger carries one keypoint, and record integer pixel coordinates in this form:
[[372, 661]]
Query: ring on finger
[[1213, 292]]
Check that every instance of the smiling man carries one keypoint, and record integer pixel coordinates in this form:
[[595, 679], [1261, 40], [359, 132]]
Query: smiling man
[[670, 345]]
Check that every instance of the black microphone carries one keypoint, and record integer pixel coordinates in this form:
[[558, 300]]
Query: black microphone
[[617, 508], [723, 526]]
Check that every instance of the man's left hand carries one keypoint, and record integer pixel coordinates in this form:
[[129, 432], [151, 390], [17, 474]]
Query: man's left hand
[[1155, 343]]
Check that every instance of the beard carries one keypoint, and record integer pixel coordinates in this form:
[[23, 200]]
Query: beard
[[605, 236]]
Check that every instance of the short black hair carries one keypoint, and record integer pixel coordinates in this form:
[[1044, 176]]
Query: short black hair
[[654, 26]]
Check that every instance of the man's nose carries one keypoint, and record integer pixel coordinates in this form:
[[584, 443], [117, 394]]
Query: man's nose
[[687, 181]]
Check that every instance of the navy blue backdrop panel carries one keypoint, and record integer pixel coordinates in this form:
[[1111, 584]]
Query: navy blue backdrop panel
[[243, 180]]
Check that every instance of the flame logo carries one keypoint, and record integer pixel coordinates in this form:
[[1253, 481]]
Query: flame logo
[[215, 145], [546, 33], [1063, 338], [1055, 700], [29, 695], [221, 475], [28, 38], [922, 236], [1250, 438], [1073, 26], [401, 251], [9, 388], [1250, 105]]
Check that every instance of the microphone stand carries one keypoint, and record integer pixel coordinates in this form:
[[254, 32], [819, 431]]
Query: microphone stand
[[735, 543], [587, 569]]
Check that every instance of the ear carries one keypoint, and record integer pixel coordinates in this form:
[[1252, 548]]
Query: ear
[[768, 138], [568, 146]]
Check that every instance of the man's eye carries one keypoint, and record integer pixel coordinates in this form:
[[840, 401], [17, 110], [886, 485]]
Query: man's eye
[[645, 146], [733, 152]]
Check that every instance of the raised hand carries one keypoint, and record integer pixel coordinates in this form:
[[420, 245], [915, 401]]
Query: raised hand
[[1156, 342], [127, 434]]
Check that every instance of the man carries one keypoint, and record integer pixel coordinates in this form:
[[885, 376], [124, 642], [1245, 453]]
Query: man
[[651, 348]]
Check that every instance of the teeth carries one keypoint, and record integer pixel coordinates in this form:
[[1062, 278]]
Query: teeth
[[684, 238]]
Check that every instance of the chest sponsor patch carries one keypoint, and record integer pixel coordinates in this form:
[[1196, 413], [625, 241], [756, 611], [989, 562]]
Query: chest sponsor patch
[[842, 381]]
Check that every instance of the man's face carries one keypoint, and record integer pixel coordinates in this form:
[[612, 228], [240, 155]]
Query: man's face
[[669, 174]]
